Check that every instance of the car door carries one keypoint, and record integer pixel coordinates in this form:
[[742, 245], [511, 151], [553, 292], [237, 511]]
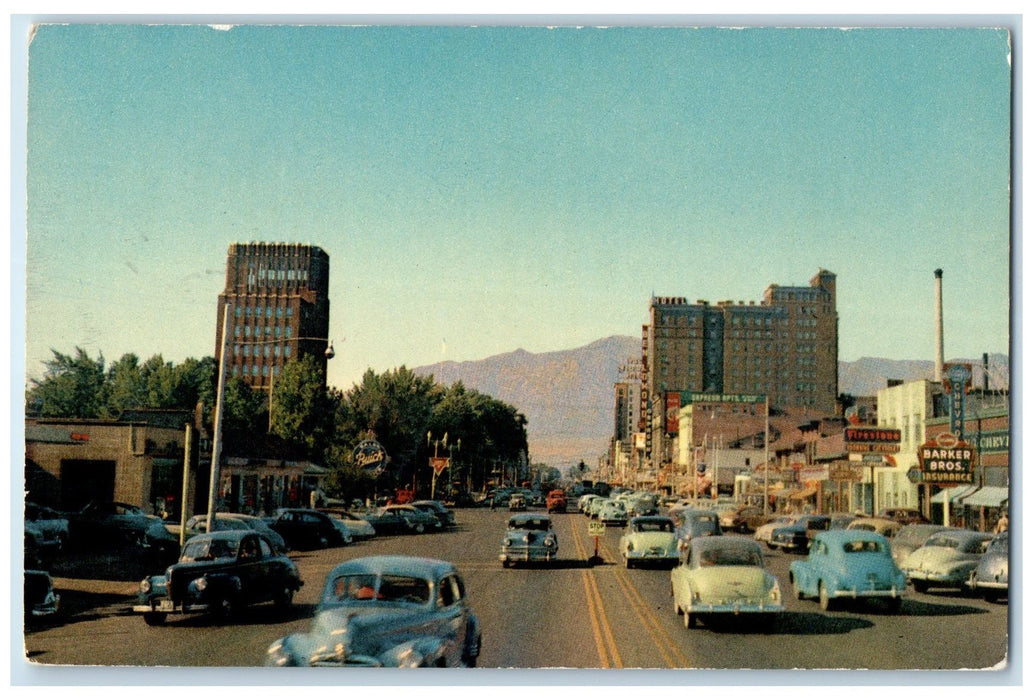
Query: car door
[[452, 617], [251, 569]]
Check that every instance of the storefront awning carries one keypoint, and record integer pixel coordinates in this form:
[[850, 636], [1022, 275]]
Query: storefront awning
[[955, 493], [988, 496], [804, 493]]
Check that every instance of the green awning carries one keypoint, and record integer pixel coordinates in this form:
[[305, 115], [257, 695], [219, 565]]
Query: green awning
[[955, 493], [988, 496]]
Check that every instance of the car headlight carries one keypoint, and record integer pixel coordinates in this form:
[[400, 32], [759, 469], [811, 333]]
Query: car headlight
[[145, 586], [410, 658], [199, 584], [549, 541], [507, 542]]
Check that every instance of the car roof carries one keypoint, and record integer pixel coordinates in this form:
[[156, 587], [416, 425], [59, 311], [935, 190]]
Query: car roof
[[525, 517], [705, 543], [650, 519], [834, 537], [230, 535], [422, 567]]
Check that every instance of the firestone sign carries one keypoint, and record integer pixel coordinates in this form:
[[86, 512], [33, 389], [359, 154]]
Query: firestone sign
[[946, 460], [882, 440]]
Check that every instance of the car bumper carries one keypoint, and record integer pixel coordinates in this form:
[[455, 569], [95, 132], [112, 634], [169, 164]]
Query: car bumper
[[743, 608], [168, 606], [933, 577], [862, 592], [527, 554]]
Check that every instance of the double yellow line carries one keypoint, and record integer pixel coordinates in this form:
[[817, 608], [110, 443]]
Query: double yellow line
[[606, 645]]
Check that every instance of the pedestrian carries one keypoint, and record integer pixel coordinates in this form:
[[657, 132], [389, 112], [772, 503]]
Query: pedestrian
[[1002, 524]]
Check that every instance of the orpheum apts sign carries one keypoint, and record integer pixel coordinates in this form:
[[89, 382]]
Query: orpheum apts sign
[[880, 440], [946, 460]]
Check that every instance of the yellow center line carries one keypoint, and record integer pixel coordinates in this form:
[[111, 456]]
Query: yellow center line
[[664, 643], [600, 623]]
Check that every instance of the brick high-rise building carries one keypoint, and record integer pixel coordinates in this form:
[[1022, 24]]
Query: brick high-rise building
[[278, 294], [785, 347]]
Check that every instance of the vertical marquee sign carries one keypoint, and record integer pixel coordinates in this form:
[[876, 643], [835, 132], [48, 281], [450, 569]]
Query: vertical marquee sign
[[957, 378]]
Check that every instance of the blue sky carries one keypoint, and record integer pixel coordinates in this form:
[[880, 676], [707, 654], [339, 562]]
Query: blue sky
[[480, 190]]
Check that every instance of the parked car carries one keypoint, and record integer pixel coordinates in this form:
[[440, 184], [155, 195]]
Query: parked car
[[724, 576], [159, 542], [904, 516], [50, 527], [946, 560], [840, 521], [529, 537], [556, 501], [911, 537], [306, 528], [990, 577], [219, 573], [693, 523], [106, 522], [198, 525], [40, 599], [585, 500], [764, 531], [797, 537], [848, 564], [642, 504], [418, 520], [742, 518], [359, 528], [649, 539], [388, 611], [517, 501], [883, 526], [445, 516], [393, 521], [612, 512]]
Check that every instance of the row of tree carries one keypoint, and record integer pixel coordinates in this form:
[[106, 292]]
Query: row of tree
[[410, 415]]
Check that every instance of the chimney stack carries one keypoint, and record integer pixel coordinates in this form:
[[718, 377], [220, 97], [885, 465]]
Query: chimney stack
[[938, 369]]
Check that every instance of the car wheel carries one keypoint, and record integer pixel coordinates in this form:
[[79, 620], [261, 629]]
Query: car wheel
[[920, 586], [690, 620], [224, 609], [627, 563], [991, 596], [285, 598], [154, 619], [771, 546], [418, 528], [823, 597], [796, 589], [505, 563], [894, 604]]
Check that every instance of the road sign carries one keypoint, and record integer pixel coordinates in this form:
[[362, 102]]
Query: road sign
[[596, 529]]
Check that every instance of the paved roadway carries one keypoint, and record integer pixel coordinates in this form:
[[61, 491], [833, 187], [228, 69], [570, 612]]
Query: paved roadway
[[567, 614]]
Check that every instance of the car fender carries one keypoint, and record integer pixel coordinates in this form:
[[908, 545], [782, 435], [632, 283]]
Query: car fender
[[221, 584], [413, 653]]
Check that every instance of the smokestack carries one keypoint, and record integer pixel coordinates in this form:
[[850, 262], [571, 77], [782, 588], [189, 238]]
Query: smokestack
[[986, 372], [938, 369]]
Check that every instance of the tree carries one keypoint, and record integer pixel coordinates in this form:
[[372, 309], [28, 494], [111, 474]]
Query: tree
[[72, 387], [302, 409]]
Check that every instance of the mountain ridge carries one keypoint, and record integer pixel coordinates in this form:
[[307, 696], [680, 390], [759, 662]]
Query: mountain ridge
[[567, 395]]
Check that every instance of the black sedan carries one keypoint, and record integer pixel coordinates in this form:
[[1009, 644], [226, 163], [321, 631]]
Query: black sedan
[[306, 528], [219, 573], [797, 537]]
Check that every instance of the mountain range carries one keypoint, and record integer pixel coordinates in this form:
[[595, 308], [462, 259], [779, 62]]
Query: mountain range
[[567, 395]]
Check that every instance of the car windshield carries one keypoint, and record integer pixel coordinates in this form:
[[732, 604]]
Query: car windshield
[[533, 524], [863, 546], [200, 550], [386, 587], [729, 557], [654, 526], [943, 541]]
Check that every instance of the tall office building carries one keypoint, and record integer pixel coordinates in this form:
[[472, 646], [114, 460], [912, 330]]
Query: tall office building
[[278, 299], [785, 347]]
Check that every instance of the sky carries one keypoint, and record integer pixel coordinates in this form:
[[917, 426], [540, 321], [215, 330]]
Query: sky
[[484, 189]]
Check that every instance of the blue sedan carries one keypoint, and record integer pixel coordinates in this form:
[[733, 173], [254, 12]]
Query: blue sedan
[[848, 564]]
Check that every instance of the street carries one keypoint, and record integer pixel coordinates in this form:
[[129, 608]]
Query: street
[[564, 614]]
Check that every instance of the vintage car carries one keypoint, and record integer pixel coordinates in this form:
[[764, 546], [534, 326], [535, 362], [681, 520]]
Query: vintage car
[[990, 577], [741, 518], [764, 531], [848, 564], [946, 560], [556, 501], [724, 577], [50, 528], [612, 512], [649, 539], [692, 523], [529, 537], [911, 537], [446, 517], [306, 528], [585, 501], [392, 520], [358, 527], [219, 573], [198, 525], [883, 526], [102, 523], [517, 501], [40, 599], [418, 520], [797, 537], [389, 611], [642, 504]]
